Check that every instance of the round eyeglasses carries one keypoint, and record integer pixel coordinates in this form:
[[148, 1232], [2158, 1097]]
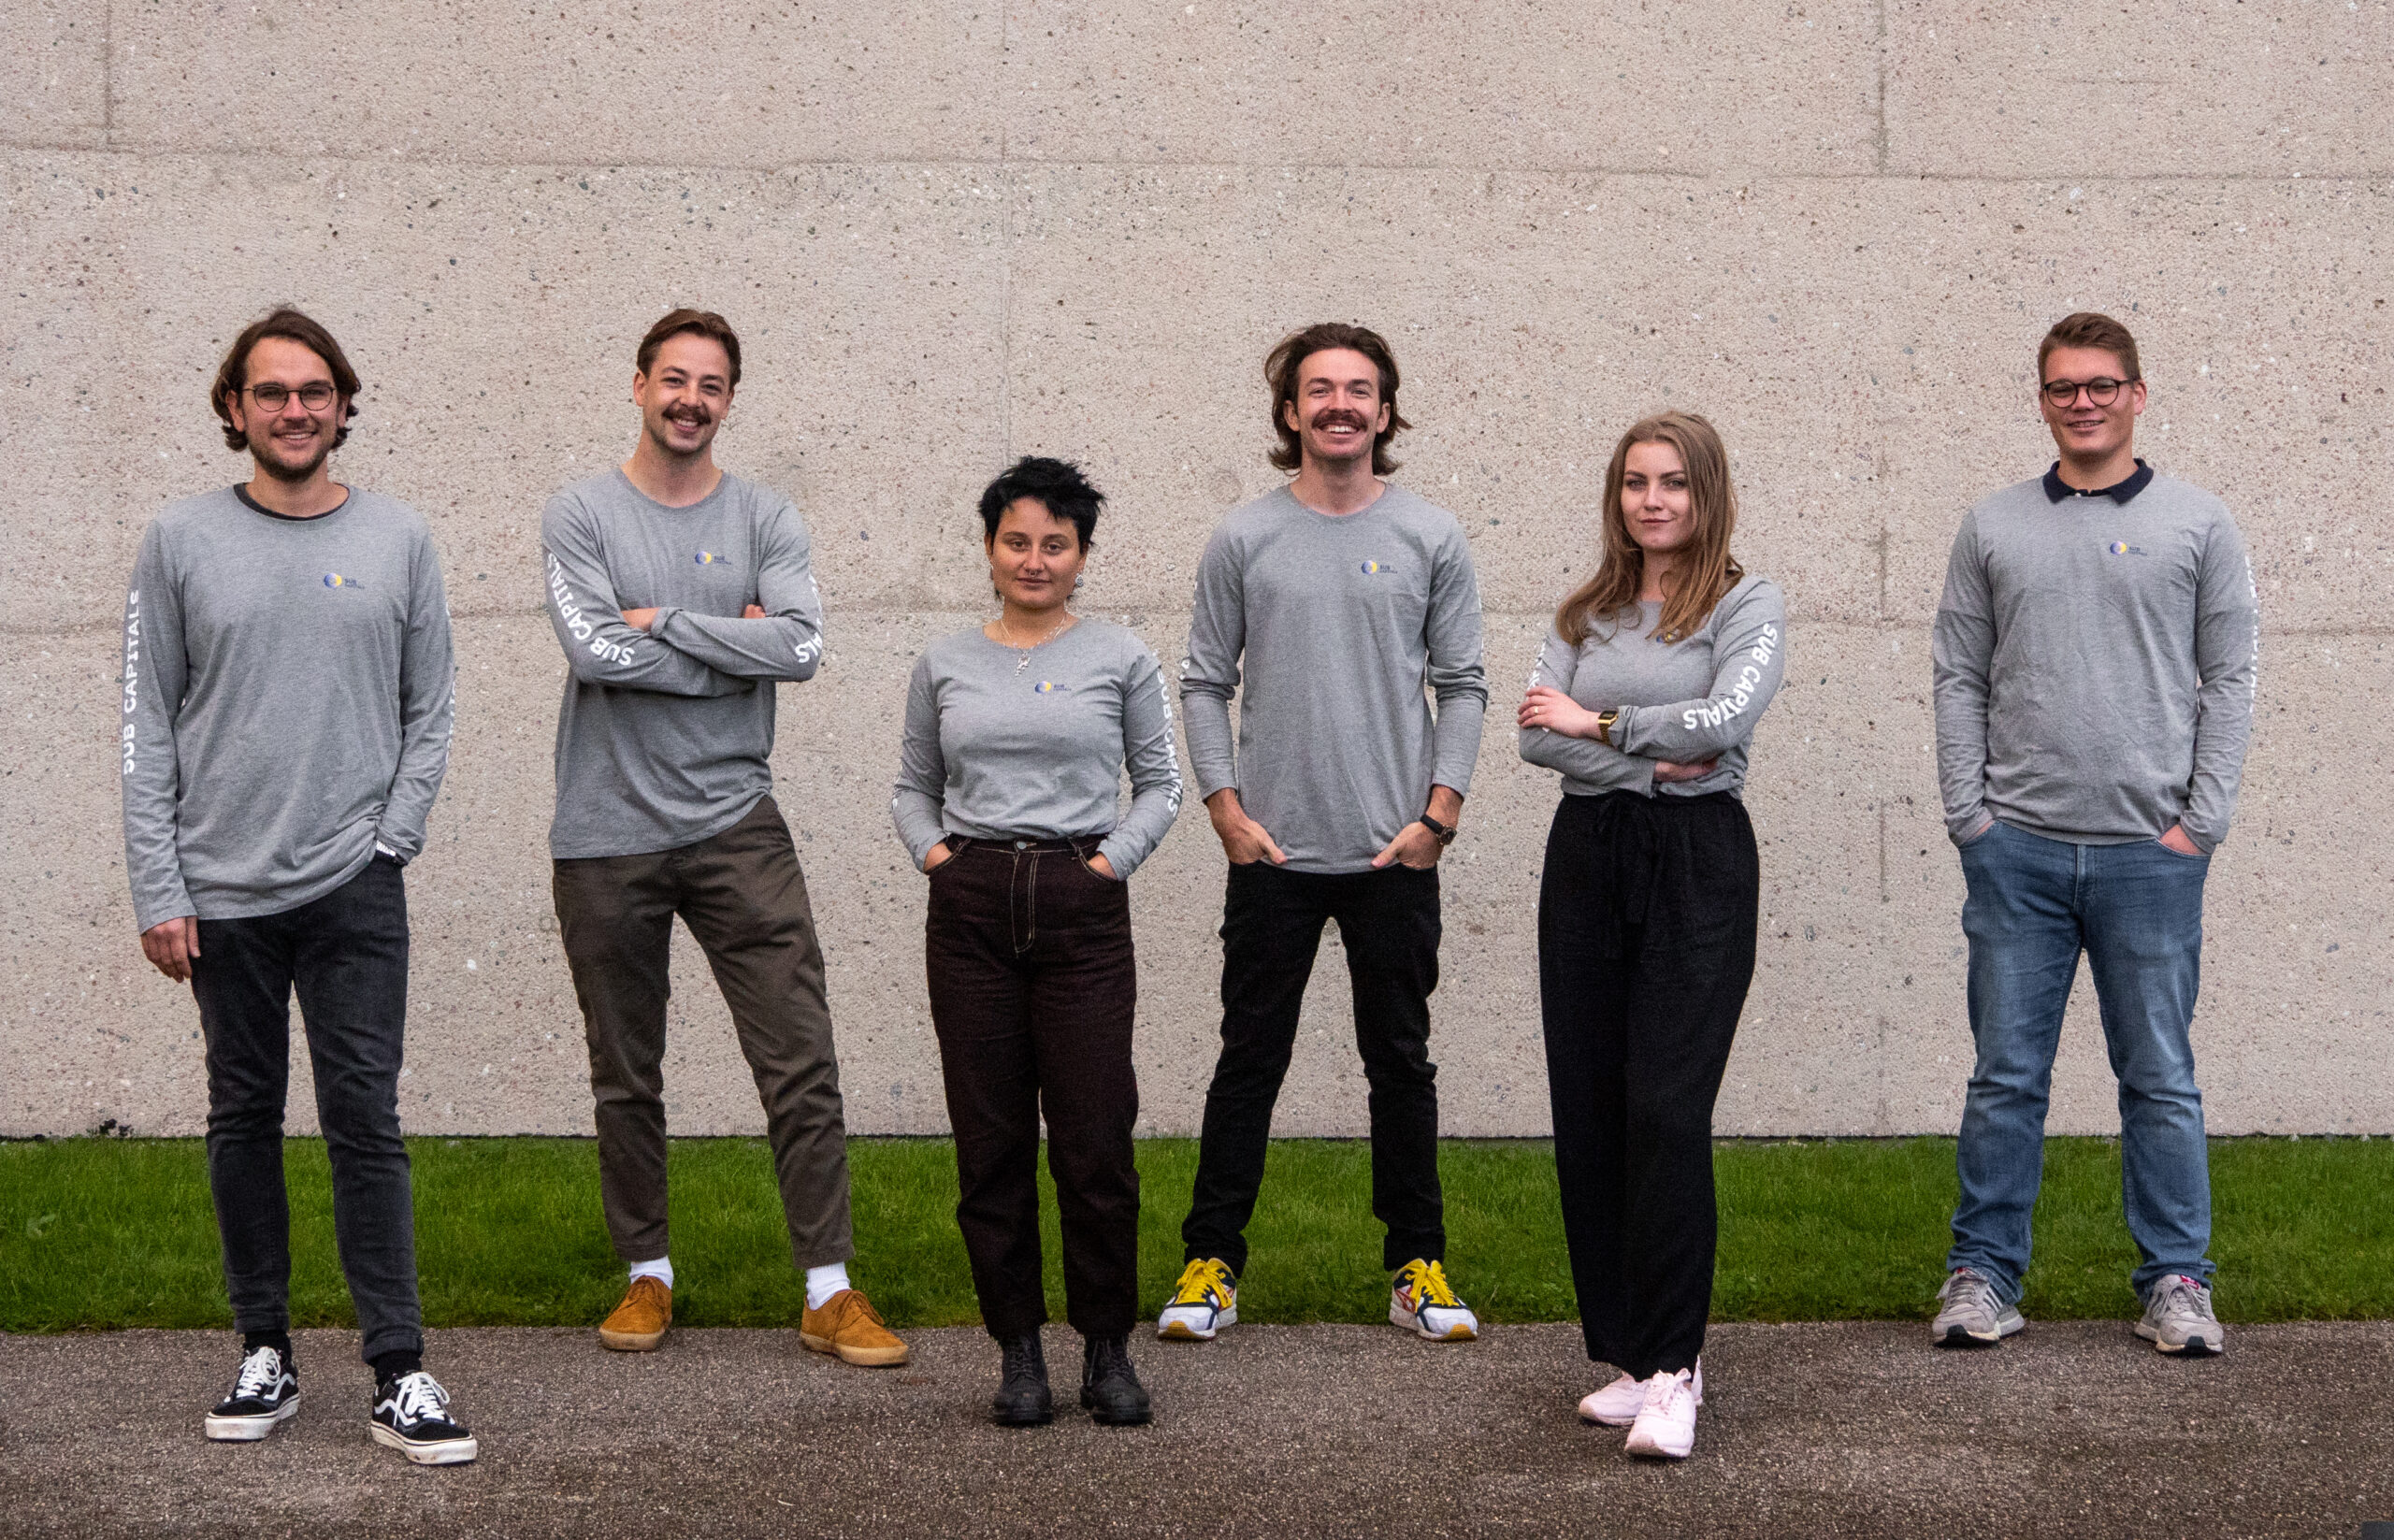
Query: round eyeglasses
[[2103, 392], [316, 395]]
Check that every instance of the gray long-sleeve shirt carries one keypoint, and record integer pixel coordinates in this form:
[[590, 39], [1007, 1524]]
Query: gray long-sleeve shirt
[[287, 702], [666, 734], [1339, 622], [1696, 700], [2092, 662], [995, 745]]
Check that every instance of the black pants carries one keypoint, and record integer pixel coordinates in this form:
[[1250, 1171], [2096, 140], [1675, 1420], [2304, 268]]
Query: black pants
[[1032, 985], [1646, 945], [743, 897], [347, 956], [1272, 921]]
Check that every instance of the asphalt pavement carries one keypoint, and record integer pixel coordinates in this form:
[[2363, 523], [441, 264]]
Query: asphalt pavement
[[1853, 1429]]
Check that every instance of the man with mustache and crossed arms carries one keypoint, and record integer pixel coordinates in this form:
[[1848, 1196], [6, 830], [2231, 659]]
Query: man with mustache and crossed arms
[[682, 596], [1327, 606]]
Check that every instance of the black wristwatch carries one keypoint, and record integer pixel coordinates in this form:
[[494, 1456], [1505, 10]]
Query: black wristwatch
[[1444, 833]]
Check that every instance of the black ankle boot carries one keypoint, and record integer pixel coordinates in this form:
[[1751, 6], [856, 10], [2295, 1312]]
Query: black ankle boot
[[1023, 1400], [1110, 1388]]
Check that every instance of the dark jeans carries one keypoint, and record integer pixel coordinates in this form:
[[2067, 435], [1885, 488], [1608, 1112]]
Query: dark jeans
[[1646, 945], [1032, 984], [2137, 911], [346, 953], [1272, 921], [743, 897]]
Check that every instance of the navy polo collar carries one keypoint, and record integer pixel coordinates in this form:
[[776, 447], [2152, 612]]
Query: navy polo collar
[[2056, 489]]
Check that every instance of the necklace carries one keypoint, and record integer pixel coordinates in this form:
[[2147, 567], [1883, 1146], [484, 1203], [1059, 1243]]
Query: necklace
[[1024, 661]]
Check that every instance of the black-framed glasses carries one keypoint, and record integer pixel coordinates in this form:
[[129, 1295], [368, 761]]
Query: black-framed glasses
[[2102, 392], [316, 395]]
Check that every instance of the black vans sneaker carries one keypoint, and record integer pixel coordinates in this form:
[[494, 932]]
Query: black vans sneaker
[[264, 1392], [412, 1416]]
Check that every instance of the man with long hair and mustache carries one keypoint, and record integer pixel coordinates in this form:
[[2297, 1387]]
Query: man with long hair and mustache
[[681, 595], [1328, 606]]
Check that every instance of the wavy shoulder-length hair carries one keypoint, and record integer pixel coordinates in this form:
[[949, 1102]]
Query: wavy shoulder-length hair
[[1706, 573]]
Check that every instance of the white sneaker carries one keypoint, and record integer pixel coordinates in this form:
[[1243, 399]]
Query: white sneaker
[[1616, 1404], [2178, 1319], [1666, 1425], [1421, 1301], [1202, 1302]]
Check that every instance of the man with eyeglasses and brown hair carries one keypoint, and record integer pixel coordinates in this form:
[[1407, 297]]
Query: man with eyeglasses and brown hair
[[287, 701], [2094, 658], [682, 596]]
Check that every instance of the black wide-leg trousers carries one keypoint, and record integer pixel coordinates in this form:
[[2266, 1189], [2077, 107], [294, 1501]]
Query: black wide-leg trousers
[[1646, 946]]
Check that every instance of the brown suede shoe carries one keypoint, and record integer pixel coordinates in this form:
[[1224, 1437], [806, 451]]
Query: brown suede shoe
[[638, 1323], [849, 1326]]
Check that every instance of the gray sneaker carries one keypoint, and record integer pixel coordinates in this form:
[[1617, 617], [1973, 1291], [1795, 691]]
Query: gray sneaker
[[2178, 1319], [1973, 1317]]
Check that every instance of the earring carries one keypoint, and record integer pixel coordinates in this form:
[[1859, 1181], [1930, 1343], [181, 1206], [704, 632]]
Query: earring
[[1079, 578]]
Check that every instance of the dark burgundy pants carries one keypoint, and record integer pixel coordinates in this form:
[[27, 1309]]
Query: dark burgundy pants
[[1032, 984]]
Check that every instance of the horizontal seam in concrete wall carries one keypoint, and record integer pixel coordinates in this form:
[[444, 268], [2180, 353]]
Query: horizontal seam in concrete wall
[[2074, 179]]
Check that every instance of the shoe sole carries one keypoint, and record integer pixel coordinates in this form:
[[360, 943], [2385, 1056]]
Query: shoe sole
[[1652, 1450], [863, 1358], [1098, 1415], [1183, 1331], [1016, 1419], [248, 1430], [1400, 1317], [1963, 1337], [2193, 1347], [1594, 1421], [631, 1342], [450, 1451]]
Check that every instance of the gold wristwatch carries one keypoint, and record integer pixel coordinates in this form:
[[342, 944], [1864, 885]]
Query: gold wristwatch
[[1604, 724]]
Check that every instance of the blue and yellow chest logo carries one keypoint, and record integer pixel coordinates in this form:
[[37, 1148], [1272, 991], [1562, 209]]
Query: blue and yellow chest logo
[[1046, 686], [706, 558], [335, 580], [2122, 547], [1373, 568]]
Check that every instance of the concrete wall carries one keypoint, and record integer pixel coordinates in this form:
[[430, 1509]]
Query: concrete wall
[[955, 233]]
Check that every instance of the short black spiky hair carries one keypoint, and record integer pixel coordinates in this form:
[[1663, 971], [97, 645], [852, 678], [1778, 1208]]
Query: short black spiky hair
[[1058, 485]]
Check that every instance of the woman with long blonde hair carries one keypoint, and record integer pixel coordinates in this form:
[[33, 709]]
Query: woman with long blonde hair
[[1645, 696]]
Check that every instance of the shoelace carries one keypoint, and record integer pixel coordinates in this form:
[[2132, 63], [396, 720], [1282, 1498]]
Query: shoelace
[[1966, 1287], [1662, 1388], [261, 1371], [1427, 1283], [1202, 1282], [419, 1398], [2183, 1294]]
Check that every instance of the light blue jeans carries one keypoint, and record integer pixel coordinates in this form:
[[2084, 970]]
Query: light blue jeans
[[2136, 911]]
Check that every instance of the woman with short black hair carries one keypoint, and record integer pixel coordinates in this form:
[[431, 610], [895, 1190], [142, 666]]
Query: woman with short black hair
[[1017, 736]]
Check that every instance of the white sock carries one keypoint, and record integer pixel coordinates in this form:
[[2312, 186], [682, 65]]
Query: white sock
[[825, 1281], [661, 1269]]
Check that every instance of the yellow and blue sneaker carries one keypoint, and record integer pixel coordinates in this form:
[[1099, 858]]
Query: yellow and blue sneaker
[[1205, 1301], [1422, 1302]]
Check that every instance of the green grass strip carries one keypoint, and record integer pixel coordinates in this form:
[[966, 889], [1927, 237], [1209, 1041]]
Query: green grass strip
[[101, 1234]]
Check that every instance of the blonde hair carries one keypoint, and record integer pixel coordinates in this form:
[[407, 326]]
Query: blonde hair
[[1706, 571]]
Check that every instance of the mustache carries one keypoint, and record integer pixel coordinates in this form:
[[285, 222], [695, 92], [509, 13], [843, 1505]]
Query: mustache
[[1339, 416], [695, 416]]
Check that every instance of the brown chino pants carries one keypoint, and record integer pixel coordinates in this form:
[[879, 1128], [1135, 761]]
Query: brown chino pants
[[1032, 984], [743, 897]]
